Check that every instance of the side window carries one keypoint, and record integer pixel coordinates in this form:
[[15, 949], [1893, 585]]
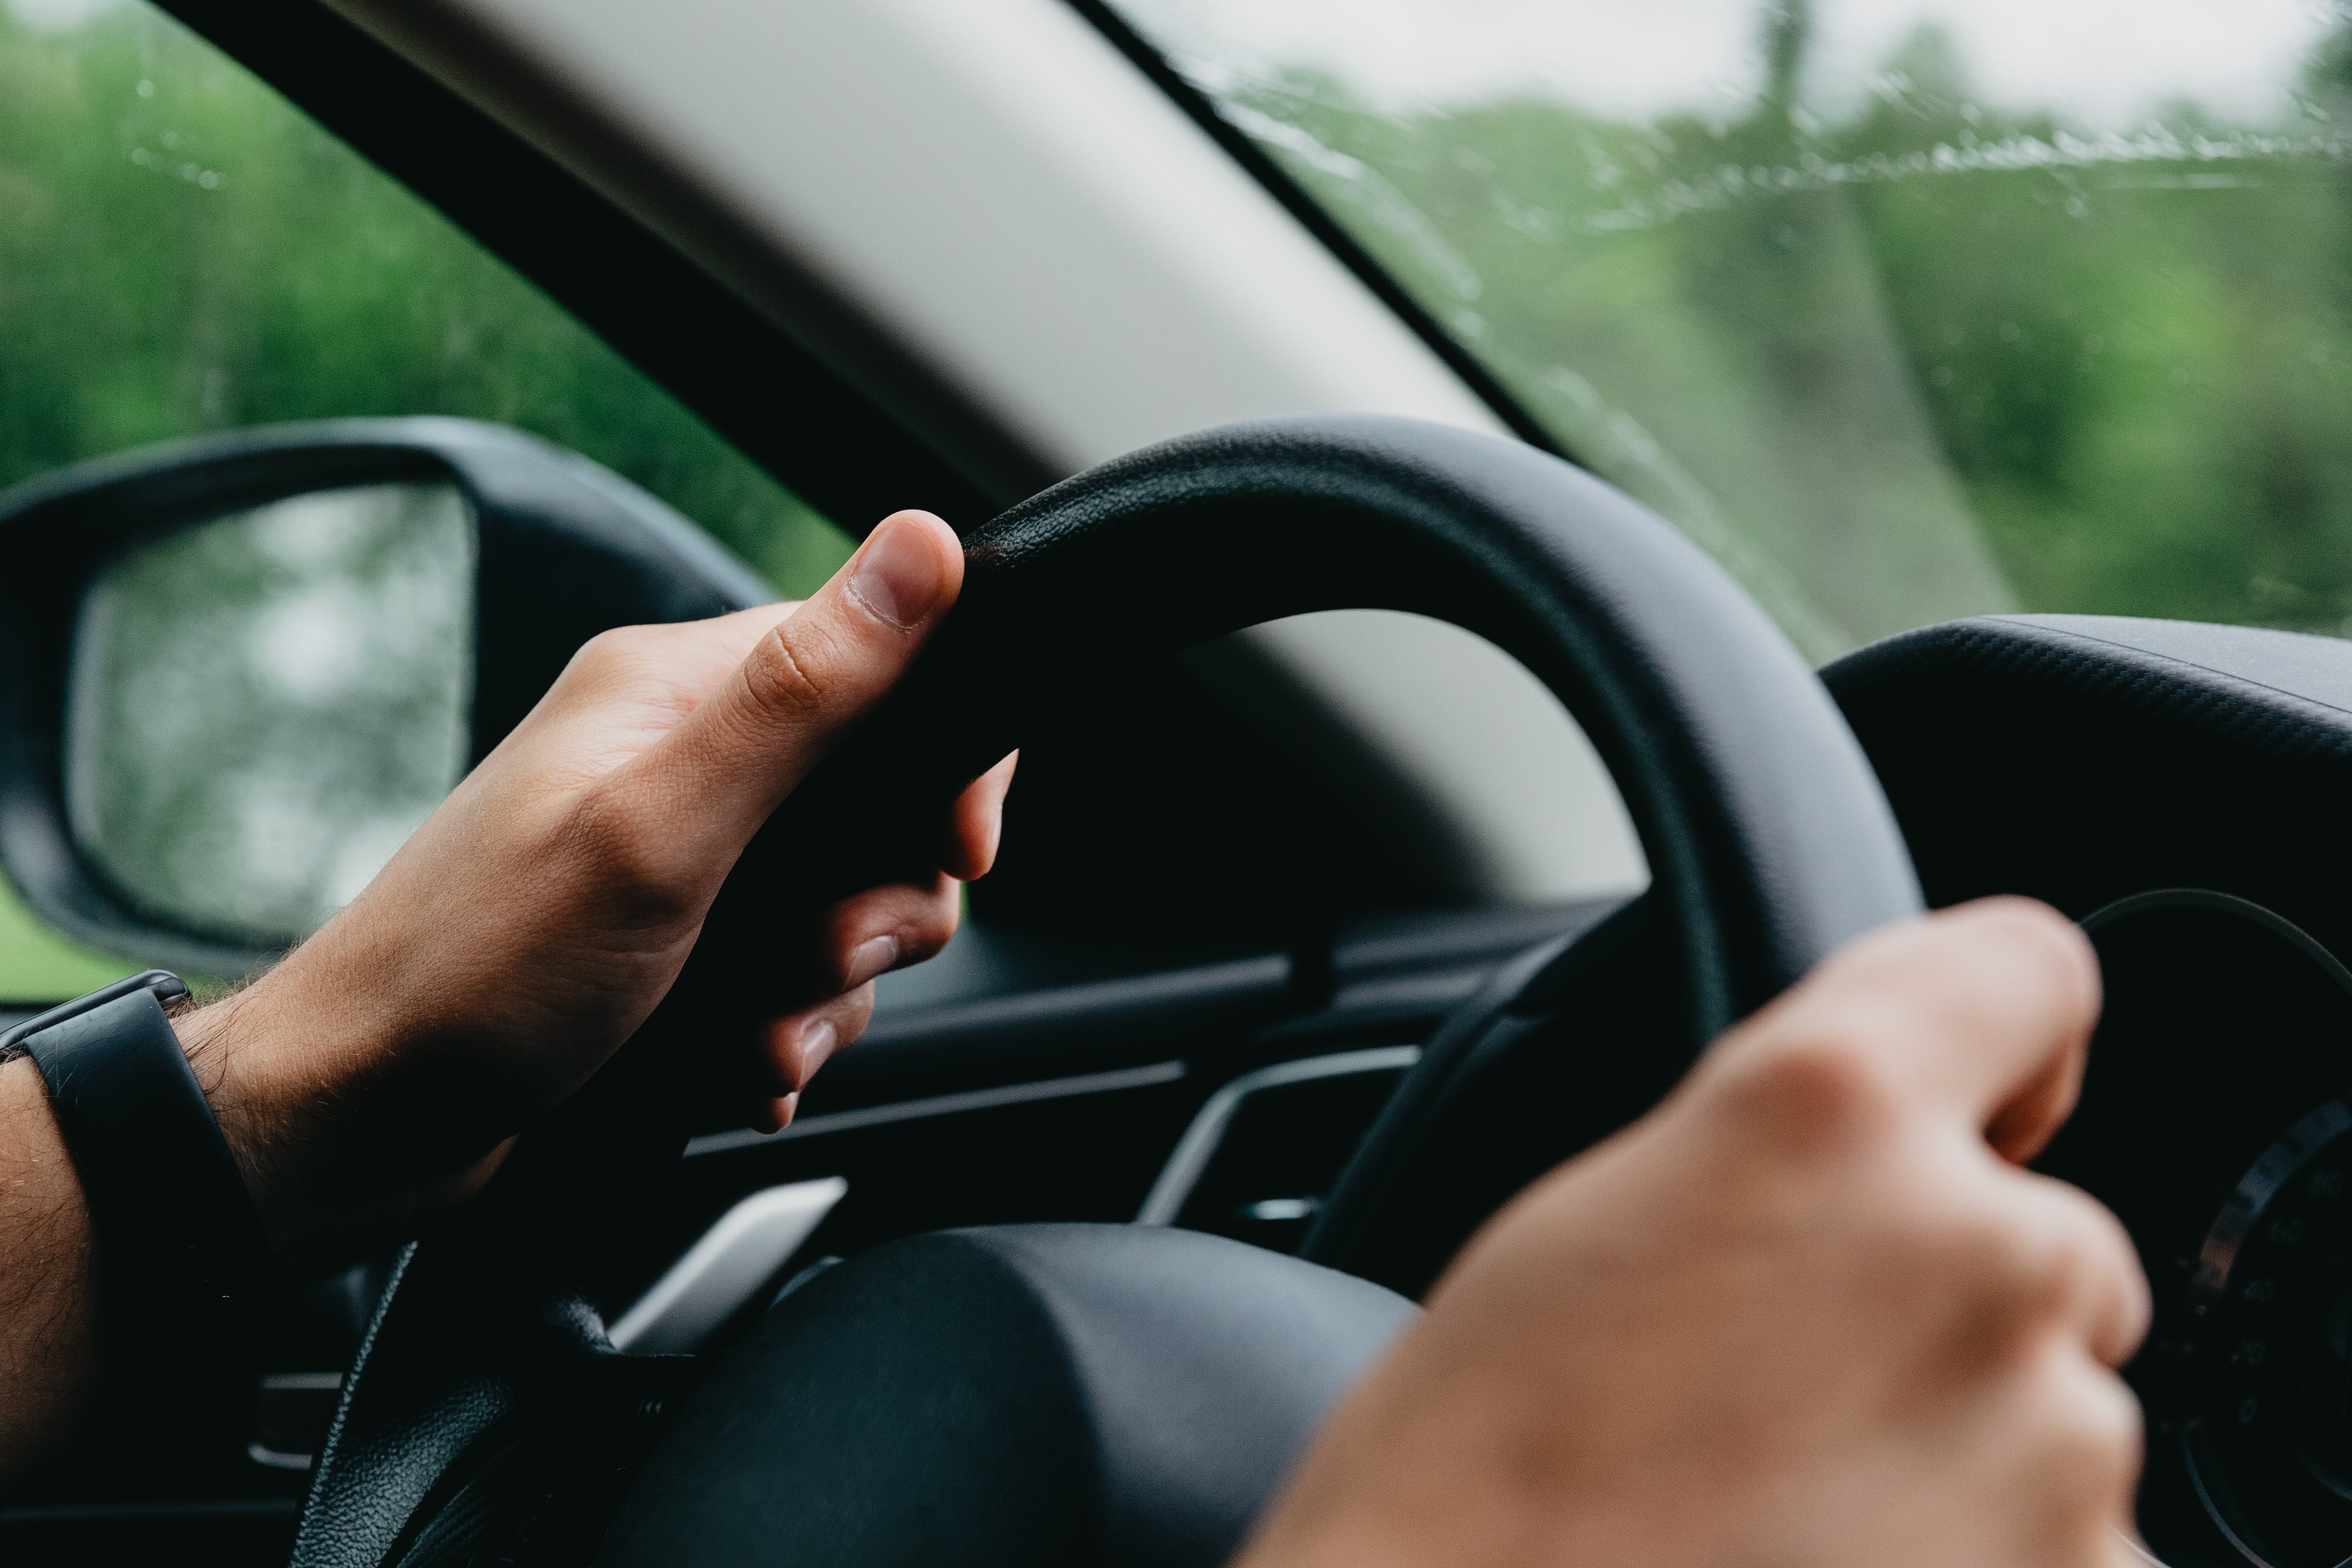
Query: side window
[[181, 251]]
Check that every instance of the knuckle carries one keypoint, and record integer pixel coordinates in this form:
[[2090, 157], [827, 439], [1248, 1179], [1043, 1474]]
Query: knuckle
[[2104, 1440], [2008, 1274], [2089, 1434], [614, 651], [626, 856], [1813, 1099], [784, 674], [855, 1012], [2052, 1263], [933, 927], [2110, 1294]]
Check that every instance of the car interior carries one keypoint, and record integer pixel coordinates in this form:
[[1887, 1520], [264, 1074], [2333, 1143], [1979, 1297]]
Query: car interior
[[1502, 536]]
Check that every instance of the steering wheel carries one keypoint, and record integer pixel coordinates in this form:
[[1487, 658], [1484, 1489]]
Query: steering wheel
[[1104, 1393]]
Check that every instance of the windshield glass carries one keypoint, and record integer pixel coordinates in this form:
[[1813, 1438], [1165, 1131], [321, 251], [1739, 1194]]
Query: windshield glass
[[1904, 308]]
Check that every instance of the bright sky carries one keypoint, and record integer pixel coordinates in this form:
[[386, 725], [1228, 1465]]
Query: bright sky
[[2101, 62], [58, 13]]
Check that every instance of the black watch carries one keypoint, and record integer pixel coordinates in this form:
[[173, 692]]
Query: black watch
[[184, 1264]]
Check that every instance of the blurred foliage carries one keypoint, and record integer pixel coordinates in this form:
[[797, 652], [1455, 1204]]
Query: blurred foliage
[[181, 251], [266, 705], [1918, 360]]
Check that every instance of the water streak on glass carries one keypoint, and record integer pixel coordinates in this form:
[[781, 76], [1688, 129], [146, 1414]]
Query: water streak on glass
[[1904, 309]]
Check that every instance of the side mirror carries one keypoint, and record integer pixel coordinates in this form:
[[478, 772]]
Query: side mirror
[[236, 673]]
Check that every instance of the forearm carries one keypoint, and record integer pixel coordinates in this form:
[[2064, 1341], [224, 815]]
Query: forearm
[[47, 1325]]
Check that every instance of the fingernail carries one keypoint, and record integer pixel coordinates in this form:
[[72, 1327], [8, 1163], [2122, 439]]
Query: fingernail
[[897, 575], [817, 1043], [870, 958]]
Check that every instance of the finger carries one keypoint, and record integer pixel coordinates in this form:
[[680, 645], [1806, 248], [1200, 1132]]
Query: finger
[[714, 778], [975, 823], [626, 688], [2072, 1456], [2025, 1122], [681, 660], [1984, 1011], [793, 1047], [882, 929], [2128, 1548], [770, 1113], [2068, 1265], [2041, 993]]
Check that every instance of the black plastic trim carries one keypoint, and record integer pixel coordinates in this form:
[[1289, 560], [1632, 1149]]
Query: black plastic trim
[[1130, 1021], [892, 1113], [199, 1533], [1310, 215], [2274, 694]]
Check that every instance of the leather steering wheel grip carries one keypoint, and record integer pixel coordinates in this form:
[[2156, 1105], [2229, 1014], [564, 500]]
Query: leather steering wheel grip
[[1766, 830], [1769, 840]]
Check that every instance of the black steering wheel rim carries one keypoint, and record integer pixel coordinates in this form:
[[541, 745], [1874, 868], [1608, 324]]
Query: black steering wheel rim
[[1769, 840]]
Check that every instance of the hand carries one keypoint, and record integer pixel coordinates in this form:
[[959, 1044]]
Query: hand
[[532, 923], [1808, 1312]]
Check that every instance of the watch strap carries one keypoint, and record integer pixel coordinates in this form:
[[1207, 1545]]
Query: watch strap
[[183, 1262]]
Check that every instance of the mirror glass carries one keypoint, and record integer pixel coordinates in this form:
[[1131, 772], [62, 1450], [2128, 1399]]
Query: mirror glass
[[263, 707]]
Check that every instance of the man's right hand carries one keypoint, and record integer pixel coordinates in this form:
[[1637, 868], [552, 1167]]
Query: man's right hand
[[1810, 1312]]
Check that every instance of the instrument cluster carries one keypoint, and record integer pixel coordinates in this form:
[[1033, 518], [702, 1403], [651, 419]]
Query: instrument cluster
[[2216, 1121]]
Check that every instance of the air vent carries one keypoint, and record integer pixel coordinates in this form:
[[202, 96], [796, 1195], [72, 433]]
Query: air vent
[[1266, 1149]]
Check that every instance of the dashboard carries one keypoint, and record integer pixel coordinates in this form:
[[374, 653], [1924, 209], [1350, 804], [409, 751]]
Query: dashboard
[[2183, 792]]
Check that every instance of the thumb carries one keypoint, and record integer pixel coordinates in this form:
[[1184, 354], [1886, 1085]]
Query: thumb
[[716, 777]]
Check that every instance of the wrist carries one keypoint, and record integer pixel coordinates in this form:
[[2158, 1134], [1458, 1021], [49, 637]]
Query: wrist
[[279, 1071], [229, 1056], [340, 1123]]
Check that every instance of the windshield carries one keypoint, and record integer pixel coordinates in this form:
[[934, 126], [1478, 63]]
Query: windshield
[[1904, 308]]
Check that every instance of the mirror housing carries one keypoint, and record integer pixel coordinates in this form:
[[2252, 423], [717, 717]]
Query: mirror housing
[[559, 550]]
